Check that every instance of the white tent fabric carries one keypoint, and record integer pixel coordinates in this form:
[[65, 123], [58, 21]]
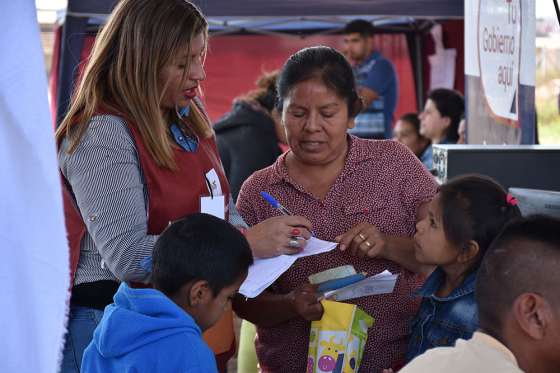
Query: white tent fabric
[[34, 269]]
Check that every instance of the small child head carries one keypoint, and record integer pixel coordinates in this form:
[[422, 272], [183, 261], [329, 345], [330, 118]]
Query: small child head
[[463, 219], [200, 262]]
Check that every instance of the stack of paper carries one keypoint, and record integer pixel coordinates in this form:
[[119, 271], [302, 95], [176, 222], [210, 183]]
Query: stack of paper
[[264, 272], [332, 273], [382, 283]]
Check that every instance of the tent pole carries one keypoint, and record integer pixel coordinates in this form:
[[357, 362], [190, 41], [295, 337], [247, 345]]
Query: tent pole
[[71, 43], [419, 67]]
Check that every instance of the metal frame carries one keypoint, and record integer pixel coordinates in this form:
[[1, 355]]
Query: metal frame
[[81, 14]]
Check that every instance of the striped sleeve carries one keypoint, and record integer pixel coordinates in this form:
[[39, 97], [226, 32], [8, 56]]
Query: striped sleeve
[[107, 182], [235, 218]]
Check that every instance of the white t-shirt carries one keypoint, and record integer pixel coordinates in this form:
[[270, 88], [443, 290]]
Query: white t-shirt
[[481, 354]]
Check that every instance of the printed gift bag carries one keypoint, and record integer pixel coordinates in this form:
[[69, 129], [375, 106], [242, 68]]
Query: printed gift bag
[[337, 341]]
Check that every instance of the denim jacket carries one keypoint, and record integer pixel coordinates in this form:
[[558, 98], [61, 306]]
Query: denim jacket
[[443, 320]]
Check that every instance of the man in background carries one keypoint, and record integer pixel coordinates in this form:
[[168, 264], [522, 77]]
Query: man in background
[[376, 78]]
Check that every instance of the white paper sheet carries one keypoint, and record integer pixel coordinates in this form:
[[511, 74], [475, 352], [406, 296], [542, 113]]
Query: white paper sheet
[[264, 272], [382, 283], [213, 206], [442, 62]]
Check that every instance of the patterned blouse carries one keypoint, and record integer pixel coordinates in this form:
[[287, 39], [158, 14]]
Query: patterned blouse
[[382, 183]]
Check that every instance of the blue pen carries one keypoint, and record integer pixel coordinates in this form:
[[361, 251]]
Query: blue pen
[[274, 203]]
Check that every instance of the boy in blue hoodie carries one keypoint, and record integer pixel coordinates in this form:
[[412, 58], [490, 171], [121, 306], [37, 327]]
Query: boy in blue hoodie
[[199, 263]]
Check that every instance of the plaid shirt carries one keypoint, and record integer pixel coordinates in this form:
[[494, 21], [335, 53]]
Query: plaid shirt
[[378, 74]]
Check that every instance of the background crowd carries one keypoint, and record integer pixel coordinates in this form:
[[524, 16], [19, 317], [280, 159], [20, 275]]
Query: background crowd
[[154, 290]]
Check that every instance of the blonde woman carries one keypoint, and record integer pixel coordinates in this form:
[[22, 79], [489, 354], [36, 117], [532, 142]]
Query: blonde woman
[[136, 151]]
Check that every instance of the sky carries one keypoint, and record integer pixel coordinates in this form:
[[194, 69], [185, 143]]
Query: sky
[[50, 4], [545, 9]]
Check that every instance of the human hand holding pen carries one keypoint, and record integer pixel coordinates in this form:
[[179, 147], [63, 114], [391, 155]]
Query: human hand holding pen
[[279, 235], [277, 205]]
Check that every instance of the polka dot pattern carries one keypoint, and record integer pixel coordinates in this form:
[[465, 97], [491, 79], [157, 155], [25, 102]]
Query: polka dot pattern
[[382, 183]]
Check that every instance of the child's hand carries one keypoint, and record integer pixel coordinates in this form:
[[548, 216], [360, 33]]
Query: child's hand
[[305, 301], [363, 239]]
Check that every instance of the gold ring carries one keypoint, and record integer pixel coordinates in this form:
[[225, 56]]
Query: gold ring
[[367, 243], [362, 237]]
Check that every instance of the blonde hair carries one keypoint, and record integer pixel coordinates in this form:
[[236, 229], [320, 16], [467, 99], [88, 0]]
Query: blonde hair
[[140, 38]]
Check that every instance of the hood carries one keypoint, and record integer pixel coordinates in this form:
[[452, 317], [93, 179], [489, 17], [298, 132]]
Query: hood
[[244, 114], [139, 317]]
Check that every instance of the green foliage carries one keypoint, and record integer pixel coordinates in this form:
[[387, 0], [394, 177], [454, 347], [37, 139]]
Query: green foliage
[[549, 121]]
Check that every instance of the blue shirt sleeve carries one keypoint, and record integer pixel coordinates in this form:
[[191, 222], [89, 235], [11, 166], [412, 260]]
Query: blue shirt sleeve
[[380, 77]]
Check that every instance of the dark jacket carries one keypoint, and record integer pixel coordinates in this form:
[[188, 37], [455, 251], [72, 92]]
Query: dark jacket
[[247, 142]]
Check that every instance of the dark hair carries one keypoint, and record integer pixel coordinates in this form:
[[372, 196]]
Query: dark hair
[[359, 26], [325, 64], [199, 247], [413, 119], [474, 207], [450, 104], [522, 259], [265, 94]]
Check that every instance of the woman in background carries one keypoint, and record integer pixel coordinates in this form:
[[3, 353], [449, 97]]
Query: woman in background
[[439, 122], [250, 137], [407, 132]]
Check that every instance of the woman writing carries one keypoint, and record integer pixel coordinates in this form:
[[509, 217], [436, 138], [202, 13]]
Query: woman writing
[[136, 151], [365, 194]]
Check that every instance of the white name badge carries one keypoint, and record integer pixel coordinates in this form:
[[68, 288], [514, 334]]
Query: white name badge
[[213, 206], [214, 181]]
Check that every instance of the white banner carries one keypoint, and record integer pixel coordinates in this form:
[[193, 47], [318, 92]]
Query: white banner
[[500, 71], [471, 49], [34, 270], [499, 42], [442, 62]]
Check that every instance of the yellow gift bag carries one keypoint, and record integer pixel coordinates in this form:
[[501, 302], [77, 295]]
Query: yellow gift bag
[[337, 341]]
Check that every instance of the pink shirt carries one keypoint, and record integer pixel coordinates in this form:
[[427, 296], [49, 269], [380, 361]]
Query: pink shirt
[[382, 183]]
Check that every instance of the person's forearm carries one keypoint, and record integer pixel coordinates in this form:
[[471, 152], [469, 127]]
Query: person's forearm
[[250, 237], [367, 96], [266, 310], [113, 207], [401, 250]]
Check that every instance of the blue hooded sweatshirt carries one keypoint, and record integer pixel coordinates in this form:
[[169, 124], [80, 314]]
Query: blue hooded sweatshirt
[[144, 331]]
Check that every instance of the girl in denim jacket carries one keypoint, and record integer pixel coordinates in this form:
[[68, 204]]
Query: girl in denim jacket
[[463, 219]]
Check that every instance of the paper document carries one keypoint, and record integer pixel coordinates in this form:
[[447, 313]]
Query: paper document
[[382, 283], [264, 272], [442, 62], [442, 69]]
